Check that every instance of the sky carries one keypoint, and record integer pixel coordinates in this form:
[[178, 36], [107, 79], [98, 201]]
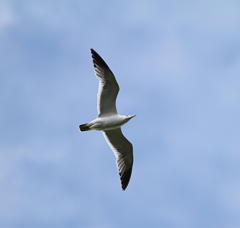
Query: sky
[[178, 66]]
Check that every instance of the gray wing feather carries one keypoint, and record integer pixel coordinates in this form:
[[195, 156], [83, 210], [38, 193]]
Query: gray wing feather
[[108, 86], [123, 151]]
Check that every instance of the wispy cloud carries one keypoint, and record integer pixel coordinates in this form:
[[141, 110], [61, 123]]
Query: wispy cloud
[[6, 15]]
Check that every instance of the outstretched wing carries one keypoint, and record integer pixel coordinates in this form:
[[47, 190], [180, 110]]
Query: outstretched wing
[[108, 86], [123, 151]]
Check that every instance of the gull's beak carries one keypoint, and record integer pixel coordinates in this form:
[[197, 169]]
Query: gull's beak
[[131, 116]]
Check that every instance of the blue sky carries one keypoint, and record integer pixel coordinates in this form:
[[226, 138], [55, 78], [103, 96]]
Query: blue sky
[[178, 65]]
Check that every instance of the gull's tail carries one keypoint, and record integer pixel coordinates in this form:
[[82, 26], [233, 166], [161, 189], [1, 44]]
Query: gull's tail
[[84, 127]]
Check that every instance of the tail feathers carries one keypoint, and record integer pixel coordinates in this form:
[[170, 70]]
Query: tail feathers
[[84, 127]]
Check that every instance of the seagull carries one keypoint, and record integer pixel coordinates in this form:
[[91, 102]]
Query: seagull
[[109, 121]]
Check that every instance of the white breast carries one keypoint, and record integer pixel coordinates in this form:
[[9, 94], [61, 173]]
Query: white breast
[[108, 122]]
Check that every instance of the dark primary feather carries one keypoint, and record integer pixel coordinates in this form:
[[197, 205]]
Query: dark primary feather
[[98, 62], [125, 178]]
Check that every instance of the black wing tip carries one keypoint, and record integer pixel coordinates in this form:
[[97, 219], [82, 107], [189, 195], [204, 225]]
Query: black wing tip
[[125, 178], [95, 55], [92, 51], [98, 60]]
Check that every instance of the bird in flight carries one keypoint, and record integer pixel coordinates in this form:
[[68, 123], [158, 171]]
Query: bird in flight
[[109, 121]]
